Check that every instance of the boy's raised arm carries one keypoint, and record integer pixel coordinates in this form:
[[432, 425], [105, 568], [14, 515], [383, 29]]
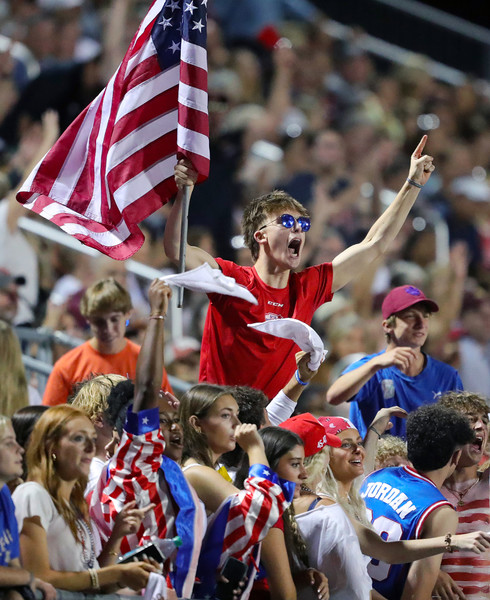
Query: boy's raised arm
[[149, 367], [350, 263]]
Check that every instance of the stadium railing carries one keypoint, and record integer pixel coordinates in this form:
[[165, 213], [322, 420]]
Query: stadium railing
[[397, 28]]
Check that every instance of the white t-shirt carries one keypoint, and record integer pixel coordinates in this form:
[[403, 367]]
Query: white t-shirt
[[96, 466], [65, 553], [333, 548]]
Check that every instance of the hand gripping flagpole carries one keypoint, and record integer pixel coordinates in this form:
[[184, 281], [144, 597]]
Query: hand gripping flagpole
[[183, 240]]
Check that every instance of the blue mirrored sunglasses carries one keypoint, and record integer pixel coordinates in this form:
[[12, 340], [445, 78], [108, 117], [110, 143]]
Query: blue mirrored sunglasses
[[288, 222]]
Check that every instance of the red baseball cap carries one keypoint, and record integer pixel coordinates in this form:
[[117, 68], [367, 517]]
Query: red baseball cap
[[402, 297], [312, 432], [334, 425]]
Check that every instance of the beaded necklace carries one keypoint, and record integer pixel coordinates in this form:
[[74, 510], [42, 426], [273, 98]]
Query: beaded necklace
[[88, 543]]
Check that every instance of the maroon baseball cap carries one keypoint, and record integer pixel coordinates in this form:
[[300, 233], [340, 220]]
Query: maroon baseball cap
[[404, 296], [312, 432]]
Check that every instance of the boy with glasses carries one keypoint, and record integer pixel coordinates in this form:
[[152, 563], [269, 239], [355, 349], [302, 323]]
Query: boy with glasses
[[275, 227]]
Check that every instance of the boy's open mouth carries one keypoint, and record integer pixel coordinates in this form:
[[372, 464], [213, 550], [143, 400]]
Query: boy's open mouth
[[477, 444], [294, 246]]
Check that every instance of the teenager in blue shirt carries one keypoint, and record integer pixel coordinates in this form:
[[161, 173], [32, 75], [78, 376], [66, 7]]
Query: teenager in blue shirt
[[401, 375]]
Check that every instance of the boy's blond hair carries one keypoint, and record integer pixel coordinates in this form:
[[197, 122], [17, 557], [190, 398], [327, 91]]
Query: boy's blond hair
[[388, 447], [466, 403], [105, 295], [91, 395]]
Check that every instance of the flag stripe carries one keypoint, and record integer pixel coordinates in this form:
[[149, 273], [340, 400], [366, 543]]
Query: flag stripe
[[193, 54], [192, 141], [193, 97], [144, 181], [149, 89], [148, 112], [139, 138]]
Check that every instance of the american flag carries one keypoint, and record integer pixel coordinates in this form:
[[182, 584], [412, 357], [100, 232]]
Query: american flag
[[113, 166], [136, 473], [238, 526]]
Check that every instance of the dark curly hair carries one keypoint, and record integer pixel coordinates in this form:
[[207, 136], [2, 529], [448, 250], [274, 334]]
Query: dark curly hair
[[434, 433], [118, 401]]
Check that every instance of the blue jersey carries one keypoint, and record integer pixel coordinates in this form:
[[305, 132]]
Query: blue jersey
[[398, 501], [390, 387], [9, 534]]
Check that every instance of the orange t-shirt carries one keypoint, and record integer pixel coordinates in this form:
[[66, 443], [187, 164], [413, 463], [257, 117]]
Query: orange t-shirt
[[82, 362]]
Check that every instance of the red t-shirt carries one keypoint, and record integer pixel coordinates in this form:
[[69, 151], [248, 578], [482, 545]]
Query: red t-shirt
[[82, 362], [234, 354]]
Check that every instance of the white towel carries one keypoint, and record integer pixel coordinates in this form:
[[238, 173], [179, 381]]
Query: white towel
[[208, 280], [301, 333]]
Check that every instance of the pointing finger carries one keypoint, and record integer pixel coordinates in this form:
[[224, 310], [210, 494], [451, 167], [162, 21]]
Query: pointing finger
[[418, 150]]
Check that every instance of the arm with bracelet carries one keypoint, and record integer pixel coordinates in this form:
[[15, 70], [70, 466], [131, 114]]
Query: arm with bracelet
[[138, 456], [380, 425], [143, 472], [150, 360]]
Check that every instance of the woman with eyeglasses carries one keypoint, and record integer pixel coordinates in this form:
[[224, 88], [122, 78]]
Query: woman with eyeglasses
[[57, 540], [331, 516]]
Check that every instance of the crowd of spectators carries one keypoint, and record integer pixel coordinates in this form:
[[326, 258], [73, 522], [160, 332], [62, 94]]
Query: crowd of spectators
[[290, 108]]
